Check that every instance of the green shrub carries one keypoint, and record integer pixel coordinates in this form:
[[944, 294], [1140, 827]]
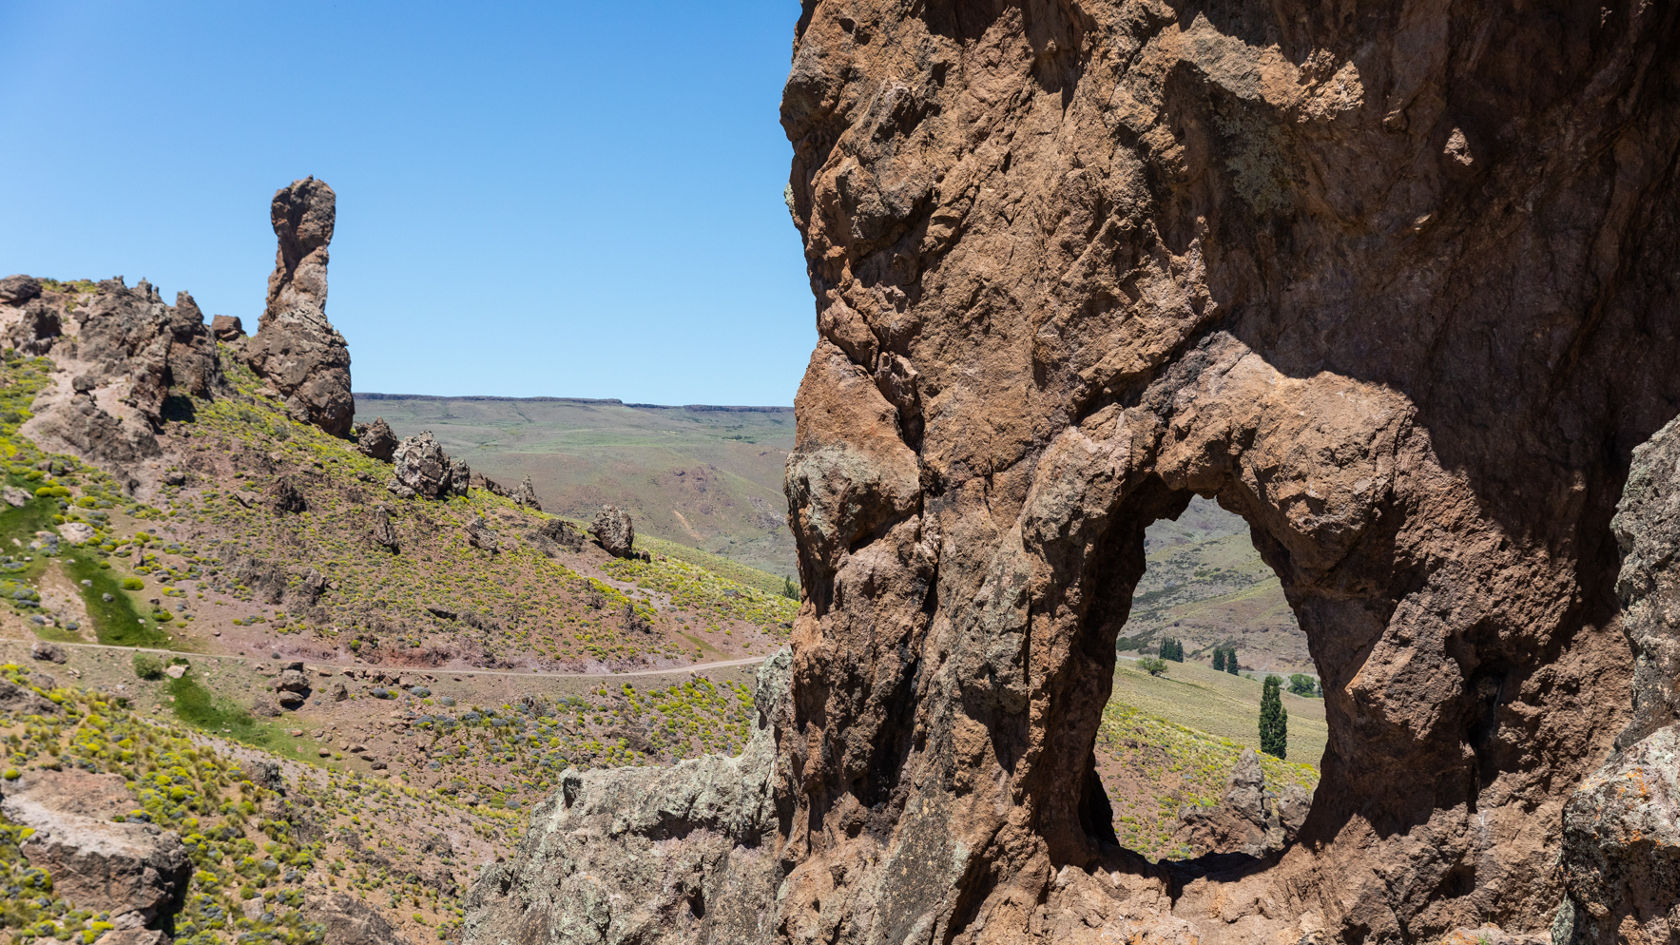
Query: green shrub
[[1152, 665], [148, 667], [133, 584]]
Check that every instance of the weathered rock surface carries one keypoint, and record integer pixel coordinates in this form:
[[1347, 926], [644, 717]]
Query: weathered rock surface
[[227, 328], [295, 348], [422, 468], [15, 290], [527, 495], [1621, 830], [1395, 286], [614, 531], [1250, 818], [133, 871], [650, 856], [377, 440], [345, 921], [382, 531]]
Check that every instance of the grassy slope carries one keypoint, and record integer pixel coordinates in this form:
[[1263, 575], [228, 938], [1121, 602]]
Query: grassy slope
[[704, 477], [1170, 743]]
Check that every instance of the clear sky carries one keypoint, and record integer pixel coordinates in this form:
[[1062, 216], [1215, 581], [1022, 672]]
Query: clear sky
[[560, 198]]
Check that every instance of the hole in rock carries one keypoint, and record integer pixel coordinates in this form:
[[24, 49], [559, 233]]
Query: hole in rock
[[1207, 624]]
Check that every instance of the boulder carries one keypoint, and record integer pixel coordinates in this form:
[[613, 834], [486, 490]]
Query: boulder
[[377, 440], [381, 531], [614, 531], [480, 535], [285, 495], [16, 290], [1250, 818], [15, 497], [76, 532], [48, 652], [17, 701], [227, 328], [420, 467], [347, 921], [296, 349]]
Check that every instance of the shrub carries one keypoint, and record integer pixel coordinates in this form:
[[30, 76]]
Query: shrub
[[1152, 665], [133, 584], [148, 667], [1303, 685]]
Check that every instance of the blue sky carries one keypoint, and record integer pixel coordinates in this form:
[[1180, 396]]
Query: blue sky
[[564, 198]]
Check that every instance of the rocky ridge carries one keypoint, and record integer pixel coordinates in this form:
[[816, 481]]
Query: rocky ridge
[[1377, 284]]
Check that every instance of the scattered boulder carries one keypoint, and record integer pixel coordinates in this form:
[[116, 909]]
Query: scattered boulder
[[176, 670], [614, 531], [381, 531], [377, 440], [14, 497], [227, 328], [296, 349], [480, 535], [16, 290], [292, 687], [286, 496], [561, 534], [76, 532], [48, 652], [422, 468], [134, 937]]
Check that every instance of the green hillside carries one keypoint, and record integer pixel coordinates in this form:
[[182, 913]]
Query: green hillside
[[708, 477], [1206, 585]]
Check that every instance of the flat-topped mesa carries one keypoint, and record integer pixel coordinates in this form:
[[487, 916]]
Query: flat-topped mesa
[[296, 349]]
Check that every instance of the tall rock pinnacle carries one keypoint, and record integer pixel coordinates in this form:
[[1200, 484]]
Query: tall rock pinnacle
[[296, 349]]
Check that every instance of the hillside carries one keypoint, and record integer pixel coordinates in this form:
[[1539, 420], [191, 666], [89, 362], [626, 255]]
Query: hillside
[[1206, 585], [709, 477]]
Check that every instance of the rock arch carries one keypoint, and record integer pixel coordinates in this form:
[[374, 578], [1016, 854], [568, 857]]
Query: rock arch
[[1392, 280]]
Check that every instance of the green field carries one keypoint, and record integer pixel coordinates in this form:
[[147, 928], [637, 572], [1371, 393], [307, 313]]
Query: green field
[[1222, 705], [706, 477]]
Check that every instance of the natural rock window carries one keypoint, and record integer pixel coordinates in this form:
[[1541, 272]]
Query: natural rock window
[[1177, 746]]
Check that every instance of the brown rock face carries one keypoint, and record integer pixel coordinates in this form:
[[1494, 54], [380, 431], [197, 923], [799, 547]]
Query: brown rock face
[[1395, 284], [1380, 284], [296, 349]]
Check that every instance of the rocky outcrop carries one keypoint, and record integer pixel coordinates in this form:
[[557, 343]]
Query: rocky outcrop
[[347, 921], [1621, 829], [526, 496], [422, 468], [614, 531], [647, 856], [135, 872], [1250, 818], [1396, 287], [480, 535], [377, 440], [16, 290], [295, 348], [227, 328]]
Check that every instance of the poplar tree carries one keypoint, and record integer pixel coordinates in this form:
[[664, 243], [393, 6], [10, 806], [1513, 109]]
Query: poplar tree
[[1274, 721]]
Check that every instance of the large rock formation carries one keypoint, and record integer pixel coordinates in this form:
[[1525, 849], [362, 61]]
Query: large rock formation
[[614, 531], [638, 856], [1621, 830], [1394, 283], [295, 348]]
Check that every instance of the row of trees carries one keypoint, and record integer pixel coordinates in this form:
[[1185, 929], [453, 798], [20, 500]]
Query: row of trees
[[1225, 659], [1171, 649]]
